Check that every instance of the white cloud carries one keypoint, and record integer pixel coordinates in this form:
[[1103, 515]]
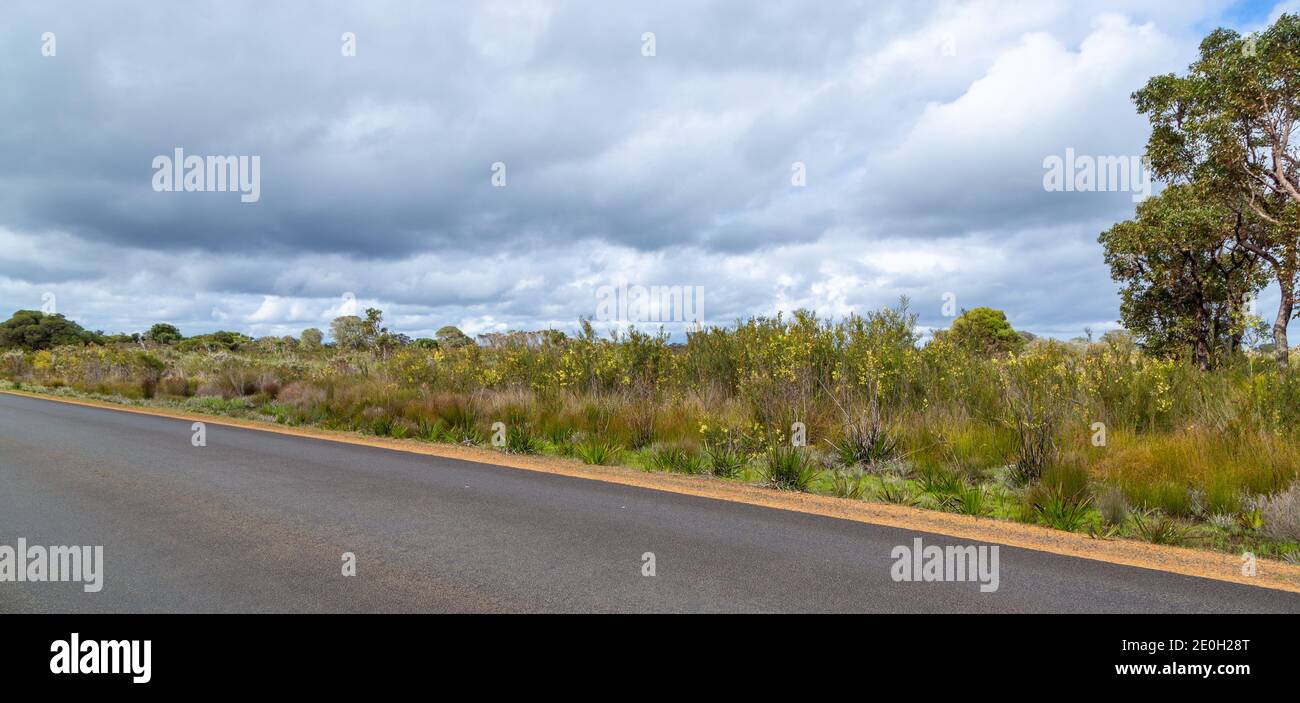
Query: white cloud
[[924, 170]]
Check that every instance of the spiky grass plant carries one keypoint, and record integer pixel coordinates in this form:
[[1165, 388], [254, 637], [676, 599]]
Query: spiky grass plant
[[850, 483], [519, 440], [1158, 528], [1062, 512], [789, 468], [674, 458], [970, 499], [867, 443], [724, 461], [598, 452], [897, 492]]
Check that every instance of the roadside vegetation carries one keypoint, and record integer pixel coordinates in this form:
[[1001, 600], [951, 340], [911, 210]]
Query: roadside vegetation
[[1180, 428], [1097, 436]]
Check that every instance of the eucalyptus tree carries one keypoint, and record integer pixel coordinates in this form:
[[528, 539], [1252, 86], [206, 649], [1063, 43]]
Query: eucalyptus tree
[[1232, 126], [1184, 276]]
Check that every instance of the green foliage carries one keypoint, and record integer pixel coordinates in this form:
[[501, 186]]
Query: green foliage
[[789, 468], [970, 499], [348, 332], [520, 441], [1159, 528], [939, 483], [897, 492], [867, 442], [452, 338], [163, 333], [724, 461], [985, 331], [215, 341], [1059, 511], [1061, 499], [598, 452], [1251, 520], [1187, 443], [310, 339], [31, 330], [1184, 275], [1228, 127], [851, 484], [677, 458]]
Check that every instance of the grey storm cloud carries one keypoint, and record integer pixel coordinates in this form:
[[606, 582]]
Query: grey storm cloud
[[676, 168]]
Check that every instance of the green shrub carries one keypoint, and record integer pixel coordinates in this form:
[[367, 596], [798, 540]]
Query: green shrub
[[674, 458], [1158, 528], [1060, 511], [970, 499], [520, 441], [598, 452], [939, 483], [850, 484], [789, 468], [724, 462], [896, 491], [867, 442]]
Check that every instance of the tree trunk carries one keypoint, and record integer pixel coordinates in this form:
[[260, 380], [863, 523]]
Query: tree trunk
[[1286, 272], [1201, 348], [1284, 312]]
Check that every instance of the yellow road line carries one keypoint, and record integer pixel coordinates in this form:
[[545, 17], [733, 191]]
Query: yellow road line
[[1179, 560]]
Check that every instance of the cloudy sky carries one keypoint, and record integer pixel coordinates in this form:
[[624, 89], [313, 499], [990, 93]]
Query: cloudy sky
[[921, 128]]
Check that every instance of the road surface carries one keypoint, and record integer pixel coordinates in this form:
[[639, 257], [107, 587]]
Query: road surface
[[258, 522]]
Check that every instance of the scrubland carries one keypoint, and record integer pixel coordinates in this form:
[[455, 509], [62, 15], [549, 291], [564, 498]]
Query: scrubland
[[1095, 437]]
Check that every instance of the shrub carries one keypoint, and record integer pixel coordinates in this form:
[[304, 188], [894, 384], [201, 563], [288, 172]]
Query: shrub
[[1112, 506], [32, 329], [598, 452], [724, 461], [1068, 478], [676, 458], [896, 491], [402, 428], [1060, 511], [520, 441], [1281, 514], [985, 331], [789, 468], [949, 415], [1061, 498], [850, 484], [939, 483], [377, 421], [177, 386], [867, 442], [1158, 528], [1251, 520], [970, 499]]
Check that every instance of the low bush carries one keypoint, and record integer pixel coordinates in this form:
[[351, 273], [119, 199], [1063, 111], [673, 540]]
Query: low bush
[[789, 468], [598, 452], [1280, 514]]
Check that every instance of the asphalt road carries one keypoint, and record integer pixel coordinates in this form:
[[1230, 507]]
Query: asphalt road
[[258, 522]]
